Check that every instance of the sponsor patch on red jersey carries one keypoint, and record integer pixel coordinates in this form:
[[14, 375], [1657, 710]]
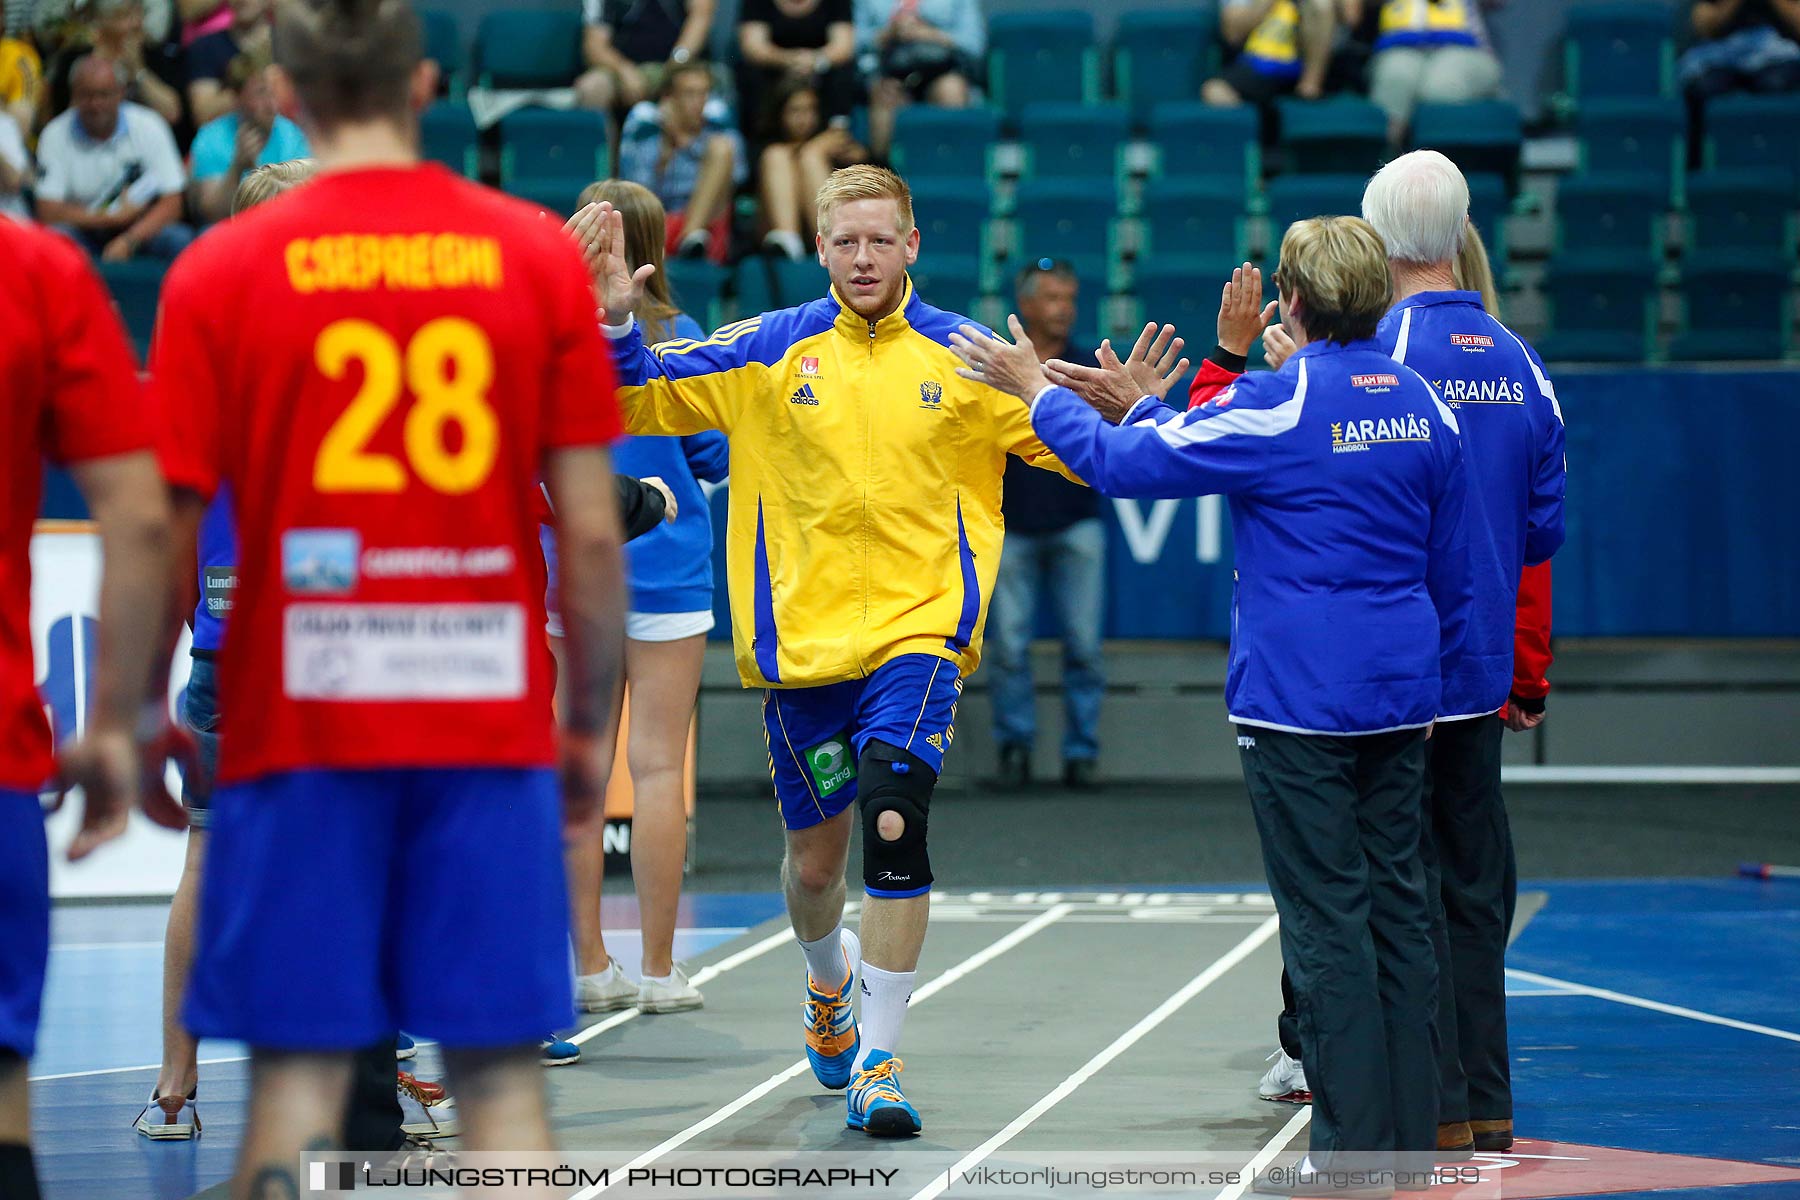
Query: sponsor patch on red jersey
[[1374, 381], [1471, 339]]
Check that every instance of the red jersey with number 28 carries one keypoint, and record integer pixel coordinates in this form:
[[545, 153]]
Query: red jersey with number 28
[[68, 392], [377, 363]]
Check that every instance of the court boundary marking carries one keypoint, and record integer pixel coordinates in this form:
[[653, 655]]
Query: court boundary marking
[[1673, 1010]]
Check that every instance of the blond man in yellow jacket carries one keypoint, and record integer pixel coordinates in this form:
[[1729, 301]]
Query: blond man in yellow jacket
[[862, 547]]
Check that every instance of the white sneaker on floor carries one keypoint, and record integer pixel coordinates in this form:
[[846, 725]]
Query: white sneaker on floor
[[674, 994], [1285, 1082], [606, 991], [421, 1116], [169, 1119]]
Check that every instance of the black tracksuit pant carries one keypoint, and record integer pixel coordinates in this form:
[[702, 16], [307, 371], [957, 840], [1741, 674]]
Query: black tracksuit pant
[[1339, 819]]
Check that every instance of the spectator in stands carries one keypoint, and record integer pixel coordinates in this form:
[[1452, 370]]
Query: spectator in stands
[[1280, 46], [21, 77], [1427, 52], [1742, 45], [111, 176], [153, 72], [210, 55], [229, 147], [1055, 544], [630, 46], [15, 169], [684, 148], [201, 17], [800, 152], [783, 43], [928, 50]]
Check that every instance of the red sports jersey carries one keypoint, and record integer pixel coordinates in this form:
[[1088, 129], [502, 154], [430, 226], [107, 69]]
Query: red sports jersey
[[69, 392], [377, 364]]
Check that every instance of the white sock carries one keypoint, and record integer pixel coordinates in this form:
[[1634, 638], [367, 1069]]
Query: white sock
[[787, 242], [825, 957], [884, 998], [669, 978]]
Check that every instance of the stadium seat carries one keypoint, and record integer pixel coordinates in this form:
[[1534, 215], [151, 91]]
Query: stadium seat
[[944, 143], [1648, 136], [1064, 219], [1296, 197], [1611, 213], [797, 282], [1041, 56], [135, 285], [1733, 211], [1737, 308], [1619, 50], [529, 48], [1754, 133], [1328, 137], [554, 194], [1159, 53], [753, 290], [547, 151], [1488, 208], [949, 281], [1483, 137], [1183, 291], [697, 286], [1600, 308], [1193, 217], [952, 217], [444, 46], [1074, 141], [448, 135], [1194, 140]]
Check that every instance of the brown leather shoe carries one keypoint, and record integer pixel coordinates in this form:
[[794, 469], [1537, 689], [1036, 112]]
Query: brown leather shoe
[[1491, 1135], [1455, 1142]]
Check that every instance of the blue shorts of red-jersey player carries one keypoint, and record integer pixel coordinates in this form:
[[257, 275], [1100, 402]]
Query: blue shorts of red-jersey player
[[315, 931], [817, 734], [24, 919]]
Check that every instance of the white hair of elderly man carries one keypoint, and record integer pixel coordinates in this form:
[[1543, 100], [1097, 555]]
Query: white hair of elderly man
[[1419, 204]]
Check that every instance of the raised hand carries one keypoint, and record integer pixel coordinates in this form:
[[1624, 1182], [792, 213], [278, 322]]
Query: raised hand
[[1242, 314], [1278, 346], [1009, 367], [1155, 362], [599, 230]]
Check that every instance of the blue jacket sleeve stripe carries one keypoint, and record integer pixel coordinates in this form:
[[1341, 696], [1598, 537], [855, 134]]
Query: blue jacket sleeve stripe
[[971, 605]]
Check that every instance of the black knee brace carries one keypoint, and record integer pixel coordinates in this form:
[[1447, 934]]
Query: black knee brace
[[890, 779]]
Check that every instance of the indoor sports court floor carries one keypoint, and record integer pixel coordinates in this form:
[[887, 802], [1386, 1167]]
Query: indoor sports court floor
[[1655, 1022]]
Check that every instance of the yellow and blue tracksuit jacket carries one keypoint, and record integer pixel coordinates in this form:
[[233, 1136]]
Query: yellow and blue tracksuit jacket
[[865, 482]]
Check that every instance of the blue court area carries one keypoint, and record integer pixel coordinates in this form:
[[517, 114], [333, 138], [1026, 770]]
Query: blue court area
[[1656, 1016]]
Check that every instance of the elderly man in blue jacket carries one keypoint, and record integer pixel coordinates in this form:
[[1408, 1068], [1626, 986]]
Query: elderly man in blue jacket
[[1345, 477]]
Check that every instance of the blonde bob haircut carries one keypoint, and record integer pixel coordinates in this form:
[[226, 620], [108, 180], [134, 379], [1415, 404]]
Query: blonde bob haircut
[[267, 182], [1474, 273], [1339, 266], [864, 182]]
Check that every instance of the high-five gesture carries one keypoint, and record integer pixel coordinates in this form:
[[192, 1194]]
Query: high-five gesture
[[1242, 314], [1010, 367], [599, 230], [1114, 388]]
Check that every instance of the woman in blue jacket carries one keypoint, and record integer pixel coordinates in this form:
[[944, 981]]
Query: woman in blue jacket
[[670, 613], [1345, 478]]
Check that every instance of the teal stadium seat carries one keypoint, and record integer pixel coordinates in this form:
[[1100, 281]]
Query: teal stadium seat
[[1740, 211], [529, 48], [952, 217], [444, 46], [1193, 217], [448, 135], [1158, 53], [697, 288], [1611, 213], [136, 285], [1064, 219], [1647, 136], [1619, 50], [1737, 309], [1338, 135], [1183, 291], [1297, 197], [753, 290], [797, 281], [944, 143], [1482, 137], [1488, 208], [1195, 140], [548, 153], [1755, 133], [1041, 56], [949, 281], [1074, 141], [1600, 308]]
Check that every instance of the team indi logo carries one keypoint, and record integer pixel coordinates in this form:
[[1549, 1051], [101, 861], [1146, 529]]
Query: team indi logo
[[931, 395], [1472, 341]]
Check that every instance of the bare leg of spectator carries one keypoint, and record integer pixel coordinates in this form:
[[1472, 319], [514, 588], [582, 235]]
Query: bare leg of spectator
[[712, 191], [180, 1065], [948, 91], [1318, 20], [1394, 81], [1220, 94], [815, 168], [886, 98], [597, 89], [781, 200]]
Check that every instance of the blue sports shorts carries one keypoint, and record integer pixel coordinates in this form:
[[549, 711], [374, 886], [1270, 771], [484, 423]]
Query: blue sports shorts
[[24, 919]]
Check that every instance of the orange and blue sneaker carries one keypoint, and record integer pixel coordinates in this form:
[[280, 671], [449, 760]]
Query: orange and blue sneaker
[[877, 1106], [832, 1038]]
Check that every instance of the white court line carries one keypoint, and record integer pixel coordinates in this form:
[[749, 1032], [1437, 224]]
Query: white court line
[[205, 1062], [975, 961], [1266, 1155], [1096, 1064], [105, 946], [1534, 773], [1673, 1010]]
